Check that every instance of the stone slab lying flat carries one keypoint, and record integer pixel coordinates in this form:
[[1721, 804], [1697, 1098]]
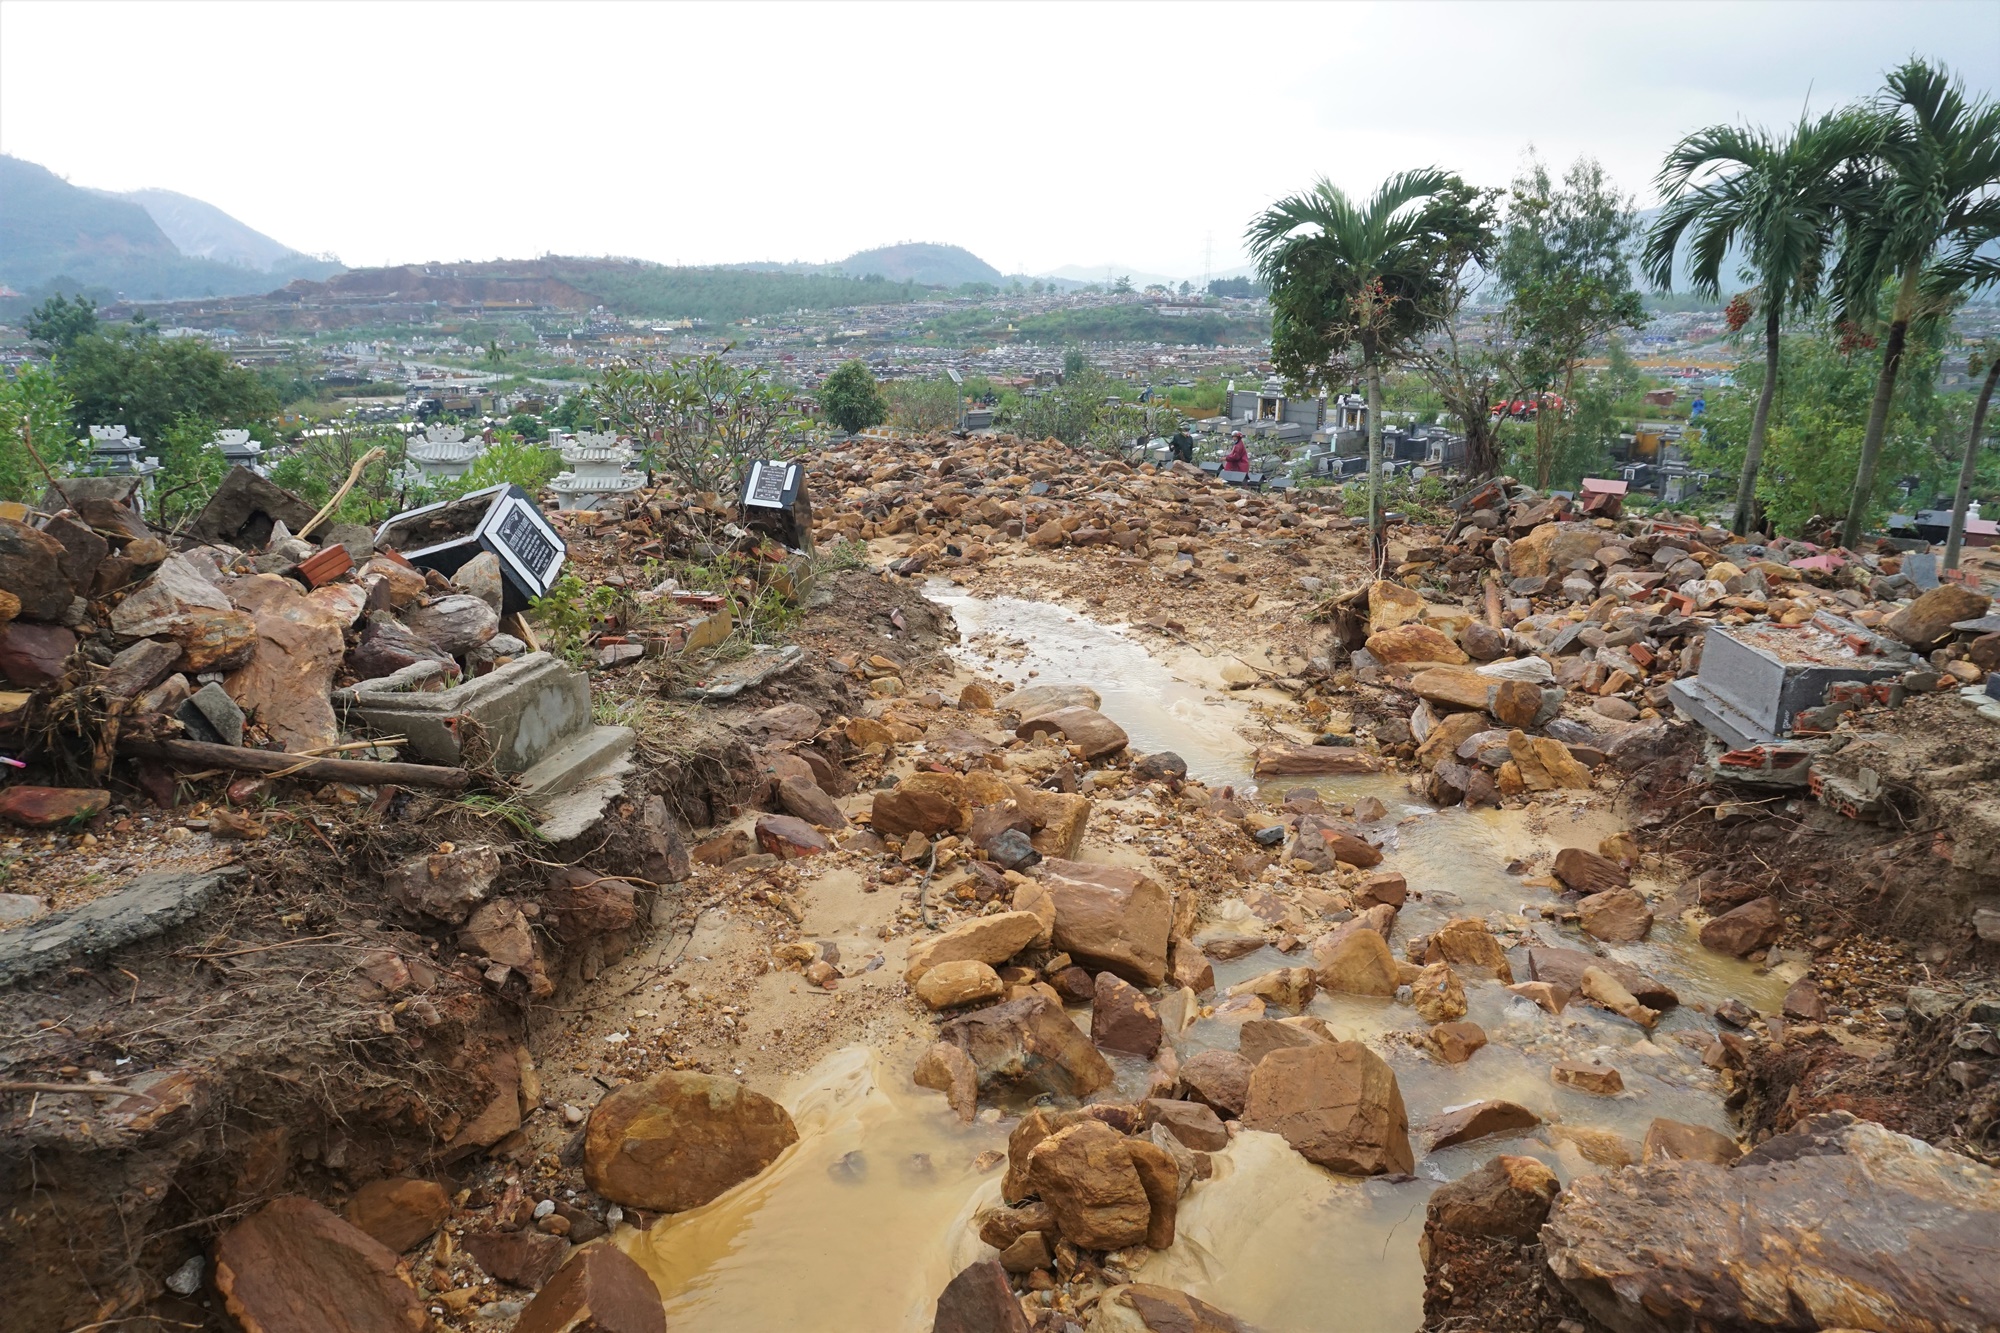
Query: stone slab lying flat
[[149, 905]]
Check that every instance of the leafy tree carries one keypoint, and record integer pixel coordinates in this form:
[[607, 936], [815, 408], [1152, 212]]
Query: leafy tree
[[1122, 285], [56, 323], [850, 399], [1356, 283], [1563, 262], [1460, 363], [924, 405], [147, 384], [1781, 197], [511, 460], [34, 409], [1242, 288], [1074, 363], [190, 469], [1919, 229], [526, 425], [317, 465], [700, 420]]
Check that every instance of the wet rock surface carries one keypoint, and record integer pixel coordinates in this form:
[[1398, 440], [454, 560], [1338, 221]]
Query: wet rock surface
[[676, 1140]]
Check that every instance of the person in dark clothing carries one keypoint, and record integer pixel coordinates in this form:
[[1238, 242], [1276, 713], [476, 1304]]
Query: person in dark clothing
[[1182, 445]]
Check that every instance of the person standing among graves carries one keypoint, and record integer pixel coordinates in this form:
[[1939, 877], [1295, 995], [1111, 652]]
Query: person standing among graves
[[1238, 457], [1182, 445]]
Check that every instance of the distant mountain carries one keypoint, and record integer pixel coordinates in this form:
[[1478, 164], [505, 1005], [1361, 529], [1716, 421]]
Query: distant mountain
[[203, 231], [56, 235], [921, 262]]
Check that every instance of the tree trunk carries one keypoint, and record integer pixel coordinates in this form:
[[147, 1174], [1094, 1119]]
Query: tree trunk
[[1753, 456], [1373, 371], [1878, 413], [1481, 457], [1963, 499]]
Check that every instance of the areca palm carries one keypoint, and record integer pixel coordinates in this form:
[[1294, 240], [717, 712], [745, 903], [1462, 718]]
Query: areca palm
[[1933, 207], [1357, 281], [1781, 197]]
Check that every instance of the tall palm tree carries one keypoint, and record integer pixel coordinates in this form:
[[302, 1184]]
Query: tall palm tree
[[1352, 280], [1781, 197], [1934, 204], [1961, 502]]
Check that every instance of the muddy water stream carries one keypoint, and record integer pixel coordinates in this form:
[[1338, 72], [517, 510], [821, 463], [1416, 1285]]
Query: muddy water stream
[[862, 1223]]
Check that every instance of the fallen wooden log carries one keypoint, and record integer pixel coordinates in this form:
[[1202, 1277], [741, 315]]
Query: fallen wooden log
[[362, 772]]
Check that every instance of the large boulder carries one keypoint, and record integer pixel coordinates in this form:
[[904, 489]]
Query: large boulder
[[979, 1300], [399, 1211], [599, 1289], [984, 939], [1406, 644], [678, 1139], [1219, 1080], [1926, 622], [31, 568], [1337, 1104], [293, 1267], [1551, 549], [1616, 916], [1508, 1198], [301, 639], [1839, 1224], [1112, 918], [1059, 818], [1140, 1307], [1566, 967], [1468, 942], [1035, 700], [926, 803], [1094, 734], [1744, 930], [1085, 1174], [1356, 963], [34, 656], [1481, 1119], [1123, 1019], [1030, 1041]]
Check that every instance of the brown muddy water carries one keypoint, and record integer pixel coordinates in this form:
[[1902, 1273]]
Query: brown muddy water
[[864, 1221]]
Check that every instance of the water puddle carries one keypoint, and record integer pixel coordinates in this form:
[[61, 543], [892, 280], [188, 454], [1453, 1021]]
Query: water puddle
[[867, 1218], [1009, 638], [852, 1228]]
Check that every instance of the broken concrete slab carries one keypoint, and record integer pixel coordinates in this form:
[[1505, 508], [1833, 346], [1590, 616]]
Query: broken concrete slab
[[149, 905], [1756, 679]]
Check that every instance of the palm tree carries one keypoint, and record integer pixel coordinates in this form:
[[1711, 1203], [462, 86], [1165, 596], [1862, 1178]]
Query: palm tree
[[1933, 206], [1781, 198], [1349, 279], [1961, 502]]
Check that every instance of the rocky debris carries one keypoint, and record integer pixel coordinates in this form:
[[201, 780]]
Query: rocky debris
[[1509, 1197], [33, 656], [1673, 1141], [1600, 1079], [1468, 942], [1603, 987], [1763, 1243], [1258, 1037], [1438, 994], [1927, 622], [804, 799], [790, 838], [597, 1290], [293, 1267], [525, 1259], [1086, 1174], [1110, 917], [1094, 735], [1273, 761], [1123, 1019], [1456, 1042], [287, 683], [1804, 1002], [1356, 963], [51, 807], [677, 1139], [946, 1068], [1588, 872], [1290, 988], [1196, 1125], [448, 883], [927, 803], [31, 568], [1744, 930], [979, 1300], [954, 984], [1139, 1307], [1385, 888], [1030, 1041], [1481, 1119], [1166, 766], [399, 1211], [1337, 1104], [985, 939], [1565, 968], [1616, 916], [1219, 1080]]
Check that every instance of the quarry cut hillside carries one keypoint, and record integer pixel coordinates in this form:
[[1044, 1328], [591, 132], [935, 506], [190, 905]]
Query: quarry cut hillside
[[1030, 892]]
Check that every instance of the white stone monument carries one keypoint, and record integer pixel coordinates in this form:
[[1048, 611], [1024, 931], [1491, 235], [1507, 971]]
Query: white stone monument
[[239, 450], [596, 470], [443, 453]]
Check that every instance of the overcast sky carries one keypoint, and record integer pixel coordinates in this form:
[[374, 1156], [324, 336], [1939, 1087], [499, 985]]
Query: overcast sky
[[1035, 135]]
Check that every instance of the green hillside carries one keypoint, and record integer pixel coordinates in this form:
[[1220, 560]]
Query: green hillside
[[719, 295]]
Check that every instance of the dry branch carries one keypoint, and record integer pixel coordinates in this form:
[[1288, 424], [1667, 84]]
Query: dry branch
[[243, 760]]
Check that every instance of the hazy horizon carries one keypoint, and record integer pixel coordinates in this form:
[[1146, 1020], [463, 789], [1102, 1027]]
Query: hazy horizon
[[1036, 136]]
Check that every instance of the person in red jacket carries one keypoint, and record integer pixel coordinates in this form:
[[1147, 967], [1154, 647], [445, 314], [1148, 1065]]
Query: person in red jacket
[[1238, 457]]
